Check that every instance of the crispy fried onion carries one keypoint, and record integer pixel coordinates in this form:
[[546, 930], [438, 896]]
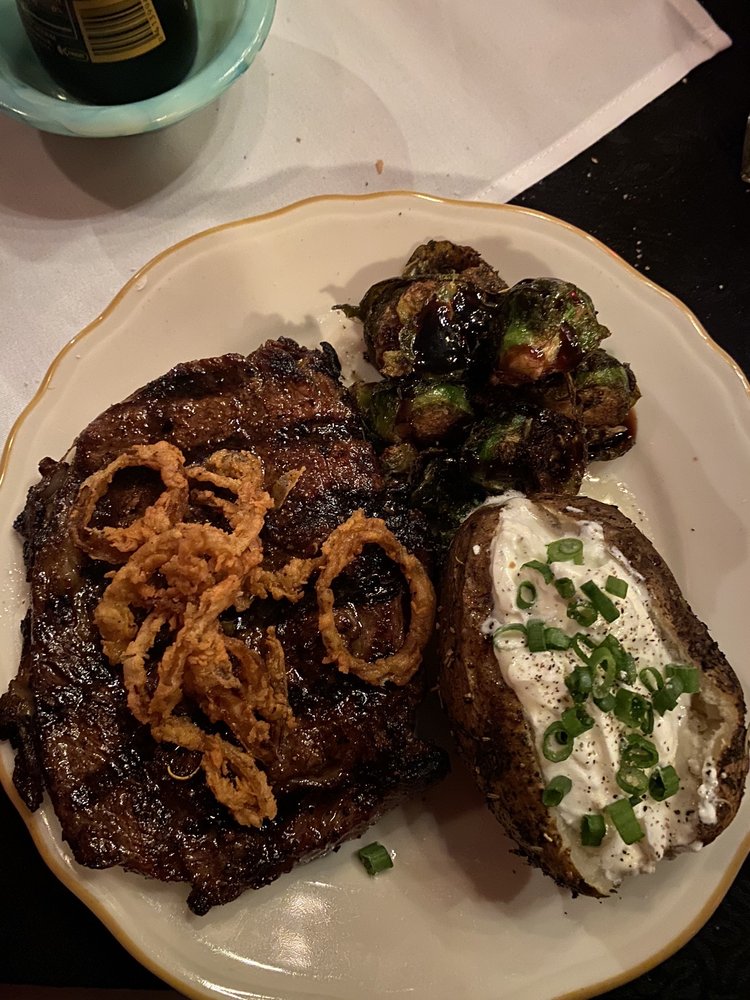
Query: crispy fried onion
[[114, 544], [346, 543], [160, 615]]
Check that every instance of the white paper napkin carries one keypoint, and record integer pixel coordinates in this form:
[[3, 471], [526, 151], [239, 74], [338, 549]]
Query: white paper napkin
[[461, 98]]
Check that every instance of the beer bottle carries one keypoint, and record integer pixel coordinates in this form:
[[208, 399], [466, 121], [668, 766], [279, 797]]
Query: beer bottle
[[112, 51]]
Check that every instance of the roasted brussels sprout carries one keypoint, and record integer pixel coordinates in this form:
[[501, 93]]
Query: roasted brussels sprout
[[546, 326], [535, 451], [424, 411], [431, 318], [444, 257], [606, 390]]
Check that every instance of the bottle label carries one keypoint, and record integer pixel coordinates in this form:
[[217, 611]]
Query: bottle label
[[97, 31], [113, 30]]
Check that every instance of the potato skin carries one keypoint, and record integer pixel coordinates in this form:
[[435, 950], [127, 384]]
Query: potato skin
[[487, 718]]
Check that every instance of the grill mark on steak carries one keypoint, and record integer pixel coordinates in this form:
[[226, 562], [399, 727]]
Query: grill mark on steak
[[354, 754]]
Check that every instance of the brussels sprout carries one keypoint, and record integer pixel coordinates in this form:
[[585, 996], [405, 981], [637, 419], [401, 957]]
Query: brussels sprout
[[606, 390], [431, 319], [533, 450], [425, 411], [443, 257], [547, 326], [378, 404]]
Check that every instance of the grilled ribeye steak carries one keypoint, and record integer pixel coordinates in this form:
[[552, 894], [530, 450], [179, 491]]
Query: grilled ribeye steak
[[353, 754]]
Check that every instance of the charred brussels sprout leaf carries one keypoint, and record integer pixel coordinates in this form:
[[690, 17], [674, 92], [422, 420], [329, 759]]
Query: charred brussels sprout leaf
[[535, 451], [547, 326]]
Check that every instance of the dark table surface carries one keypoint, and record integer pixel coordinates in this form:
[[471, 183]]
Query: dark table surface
[[664, 191]]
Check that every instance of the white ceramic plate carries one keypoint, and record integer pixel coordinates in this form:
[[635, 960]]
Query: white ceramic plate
[[458, 915]]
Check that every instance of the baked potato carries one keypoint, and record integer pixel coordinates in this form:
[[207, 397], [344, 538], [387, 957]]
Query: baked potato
[[603, 724]]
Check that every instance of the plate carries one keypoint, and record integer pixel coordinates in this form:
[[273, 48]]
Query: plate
[[458, 913]]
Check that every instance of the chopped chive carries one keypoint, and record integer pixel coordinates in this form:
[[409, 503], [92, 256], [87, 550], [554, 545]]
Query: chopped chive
[[556, 790], [579, 640], [651, 679], [535, 639], [525, 595], [375, 858], [625, 663], [602, 662], [689, 676], [565, 587], [555, 638], [566, 550], [637, 751], [631, 779], [666, 697], [634, 710], [604, 702], [616, 586], [540, 567], [576, 721], [579, 682], [600, 601], [593, 828], [663, 783], [624, 819], [582, 612], [557, 744]]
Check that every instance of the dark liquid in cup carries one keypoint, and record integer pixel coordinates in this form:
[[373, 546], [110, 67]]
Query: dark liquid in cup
[[112, 51]]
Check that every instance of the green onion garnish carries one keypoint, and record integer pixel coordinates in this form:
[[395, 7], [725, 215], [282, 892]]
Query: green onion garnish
[[566, 550], [601, 602], [579, 682], [602, 662], [556, 790], [632, 780], [579, 640], [665, 699], [565, 587], [605, 702], [375, 858], [525, 595], [625, 662], [689, 676], [582, 612], [592, 830], [535, 635], [576, 721], [540, 567], [637, 751], [663, 783], [507, 630], [634, 710], [556, 743], [624, 819], [616, 586], [651, 679], [555, 638]]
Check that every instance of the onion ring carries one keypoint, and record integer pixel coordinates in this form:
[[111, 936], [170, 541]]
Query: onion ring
[[114, 544], [343, 545]]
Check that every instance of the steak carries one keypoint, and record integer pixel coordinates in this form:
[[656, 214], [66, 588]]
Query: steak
[[354, 753]]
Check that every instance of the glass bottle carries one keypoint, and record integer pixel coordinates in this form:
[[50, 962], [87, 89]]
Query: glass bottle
[[112, 51]]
